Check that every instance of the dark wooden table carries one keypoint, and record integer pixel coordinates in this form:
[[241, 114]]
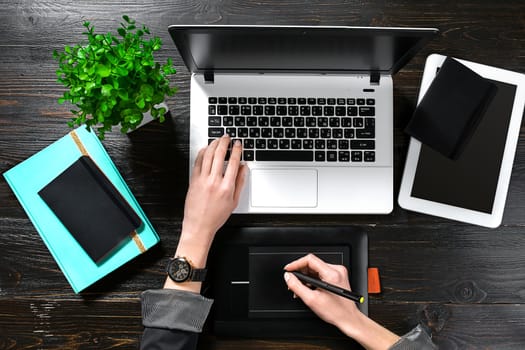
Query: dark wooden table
[[466, 282]]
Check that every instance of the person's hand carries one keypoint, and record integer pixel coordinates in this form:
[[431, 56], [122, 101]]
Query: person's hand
[[213, 192], [334, 309], [212, 196]]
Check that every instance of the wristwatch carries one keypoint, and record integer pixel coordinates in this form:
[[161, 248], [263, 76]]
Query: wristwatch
[[180, 270]]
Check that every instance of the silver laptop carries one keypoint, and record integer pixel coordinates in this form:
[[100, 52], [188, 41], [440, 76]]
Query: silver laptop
[[313, 107]]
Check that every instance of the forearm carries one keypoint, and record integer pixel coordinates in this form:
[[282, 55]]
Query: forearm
[[368, 333]]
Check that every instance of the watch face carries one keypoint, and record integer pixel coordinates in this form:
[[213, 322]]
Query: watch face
[[179, 270]]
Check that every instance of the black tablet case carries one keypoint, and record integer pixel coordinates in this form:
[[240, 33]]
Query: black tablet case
[[452, 108], [91, 208], [264, 308]]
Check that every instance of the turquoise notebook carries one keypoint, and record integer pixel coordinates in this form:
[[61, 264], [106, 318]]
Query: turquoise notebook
[[30, 176]]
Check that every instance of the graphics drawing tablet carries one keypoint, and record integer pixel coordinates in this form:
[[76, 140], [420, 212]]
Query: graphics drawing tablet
[[473, 188]]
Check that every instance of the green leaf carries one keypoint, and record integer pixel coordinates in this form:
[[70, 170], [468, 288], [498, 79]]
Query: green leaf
[[140, 102], [106, 89], [103, 70], [122, 32], [126, 18]]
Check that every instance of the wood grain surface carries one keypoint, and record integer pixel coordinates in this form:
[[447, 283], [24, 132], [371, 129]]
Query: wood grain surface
[[465, 282]]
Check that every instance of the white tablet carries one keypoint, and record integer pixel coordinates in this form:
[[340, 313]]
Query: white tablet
[[473, 188]]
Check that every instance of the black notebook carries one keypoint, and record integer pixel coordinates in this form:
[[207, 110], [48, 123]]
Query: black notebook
[[91, 208]]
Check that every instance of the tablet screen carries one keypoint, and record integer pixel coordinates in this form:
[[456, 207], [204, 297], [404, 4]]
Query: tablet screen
[[469, 182]]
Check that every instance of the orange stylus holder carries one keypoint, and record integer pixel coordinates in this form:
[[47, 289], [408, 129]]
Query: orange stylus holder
[[374, 284]]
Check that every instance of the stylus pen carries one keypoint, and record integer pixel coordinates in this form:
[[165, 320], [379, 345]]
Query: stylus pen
[[329, 287]]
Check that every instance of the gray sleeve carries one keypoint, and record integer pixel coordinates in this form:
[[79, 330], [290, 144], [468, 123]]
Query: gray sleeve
[[416, 339], [174, 309]]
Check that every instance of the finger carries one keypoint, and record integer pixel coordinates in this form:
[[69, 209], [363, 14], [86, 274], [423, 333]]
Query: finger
[[198, 163], [207, 160], [239, 182], [233, 164], [306, 294], [217, 167], [309, 263]]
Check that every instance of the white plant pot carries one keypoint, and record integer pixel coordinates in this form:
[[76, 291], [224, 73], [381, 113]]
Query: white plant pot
[[147, 116]]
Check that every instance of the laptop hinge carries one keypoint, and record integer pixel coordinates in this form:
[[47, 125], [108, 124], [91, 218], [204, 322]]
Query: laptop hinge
[[374, 78], [209, 77]]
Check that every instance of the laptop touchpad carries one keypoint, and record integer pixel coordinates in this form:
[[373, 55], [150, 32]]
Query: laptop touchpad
[[285, 188]]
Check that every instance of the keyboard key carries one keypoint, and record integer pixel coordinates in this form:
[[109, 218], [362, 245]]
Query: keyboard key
[[370, 123], [212, 100], [246, 110], [326, 133], [331, 144], [328, 111], [272, 100], [293, 110], [320, 144], [358, 122], [351, 111], [281, 100], [248, 144], [360, 101], [273, 144], [362, 144], [356, 156], [301, 100], [337, 133], [322, 122], [331, 101], [258, 110], [242, 100], [335, 122], [346, 122], [242, 132], [311, 122], [370, 156], [278, 133], [263, 121], [317, 111], [305, 110], [340, 111], [344, 156], [255, 132], [331, 156], [365, 133], [239, 121], [234, 110], [222, 110], [252, 100], [260, 143], [285, 156], [247, 156], [232, 132], [227, 121], [284, 144], [350, 101], [370, 102], [311, 101], [367, 111], [214, 121], [302, 133], [321, 101], [232, 100], [349, 133], [215, 132], [319, 156], [287, 121], [223, 100], [281, 110], [298, 121], [313, 133], [343, 144], [292, 100], [266, 132], [275, 121], [296, 144], [269, 110], [289, 133], [341, 101], [261, 100], [212, 110], [308, 144], [251, 121]]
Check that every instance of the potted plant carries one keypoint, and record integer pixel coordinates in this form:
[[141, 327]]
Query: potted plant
[[114, 79]]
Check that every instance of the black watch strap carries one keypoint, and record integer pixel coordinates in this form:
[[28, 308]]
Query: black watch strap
[[198, 275]]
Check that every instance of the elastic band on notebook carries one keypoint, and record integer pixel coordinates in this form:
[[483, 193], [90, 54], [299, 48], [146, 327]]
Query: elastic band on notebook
[[82, 149], [137, 241]]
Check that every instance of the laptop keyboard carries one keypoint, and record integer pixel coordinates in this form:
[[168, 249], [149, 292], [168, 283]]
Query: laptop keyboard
[[303, 129]]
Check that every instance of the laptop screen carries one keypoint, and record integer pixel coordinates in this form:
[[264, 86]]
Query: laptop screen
[[299, 49]]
